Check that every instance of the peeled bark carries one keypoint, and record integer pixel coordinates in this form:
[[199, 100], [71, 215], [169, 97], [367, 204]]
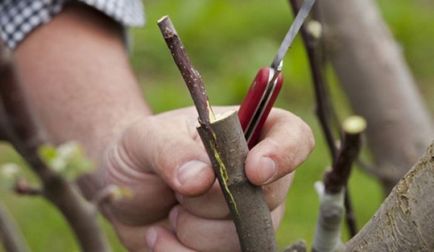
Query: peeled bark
[[405, 220], [374, 75]]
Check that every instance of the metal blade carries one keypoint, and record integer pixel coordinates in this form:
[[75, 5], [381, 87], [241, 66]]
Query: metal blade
[[292, 32]]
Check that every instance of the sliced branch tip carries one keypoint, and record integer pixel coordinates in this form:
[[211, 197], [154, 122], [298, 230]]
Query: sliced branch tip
[[311, 34], [227, 149], [337, 179]]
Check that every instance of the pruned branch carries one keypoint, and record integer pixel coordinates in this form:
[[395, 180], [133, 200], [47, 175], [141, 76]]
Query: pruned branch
[[24, 135], [332, 190], [370, 65], [337, 179], [311, 34], [227, 149]]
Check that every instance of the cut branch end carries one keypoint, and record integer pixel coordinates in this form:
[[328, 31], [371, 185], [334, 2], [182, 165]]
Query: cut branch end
[[354, 125]]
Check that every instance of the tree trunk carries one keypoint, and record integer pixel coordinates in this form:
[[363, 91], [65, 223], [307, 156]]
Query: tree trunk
[[405, 220], [380, 87]]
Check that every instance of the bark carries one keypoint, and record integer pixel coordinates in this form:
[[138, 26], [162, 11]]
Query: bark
[[405, 220], [328, 227], [190, 75], [380, 87], [227, 149], [10, 236]]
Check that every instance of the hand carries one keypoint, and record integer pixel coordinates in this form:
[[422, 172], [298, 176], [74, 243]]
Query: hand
[[177, 204]]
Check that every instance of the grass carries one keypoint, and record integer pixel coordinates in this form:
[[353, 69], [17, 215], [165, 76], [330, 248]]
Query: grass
[[228, 41]]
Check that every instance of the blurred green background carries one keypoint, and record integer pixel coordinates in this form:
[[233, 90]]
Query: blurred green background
[[227, 42]]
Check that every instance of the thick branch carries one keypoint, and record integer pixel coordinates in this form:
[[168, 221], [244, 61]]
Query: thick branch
[[405, 220], [380, 87], [227, 149], [24, 135], [10, 236]]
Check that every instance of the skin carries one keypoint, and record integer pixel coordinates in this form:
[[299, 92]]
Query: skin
[[80, 85]]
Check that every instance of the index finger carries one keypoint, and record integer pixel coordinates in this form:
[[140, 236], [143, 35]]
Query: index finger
[[286, 141]]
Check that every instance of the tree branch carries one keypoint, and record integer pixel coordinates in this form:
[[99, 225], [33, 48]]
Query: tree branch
[[332, 190], [405, 220], [24, 135], [311, 34], [10, 236], [337, 179], [227, 148], [191, 76], [313, 50], [372, 70]]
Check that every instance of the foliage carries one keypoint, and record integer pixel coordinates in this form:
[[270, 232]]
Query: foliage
[[67, 159]]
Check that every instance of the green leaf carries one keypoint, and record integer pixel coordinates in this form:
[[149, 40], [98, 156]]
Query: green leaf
[[47, 152]]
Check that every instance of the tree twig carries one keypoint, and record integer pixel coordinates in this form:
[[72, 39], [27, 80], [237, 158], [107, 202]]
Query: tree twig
[[337, 179], [311, 43], [10, 236], [332, 190], [191, 76], [324, 110], [24, 135], [227, 149]]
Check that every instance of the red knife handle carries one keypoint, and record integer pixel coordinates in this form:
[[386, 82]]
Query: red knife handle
[[258, 102]]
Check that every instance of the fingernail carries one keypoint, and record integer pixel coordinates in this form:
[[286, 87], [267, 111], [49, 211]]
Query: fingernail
[[151, 238], [268, 169], [190, 171]]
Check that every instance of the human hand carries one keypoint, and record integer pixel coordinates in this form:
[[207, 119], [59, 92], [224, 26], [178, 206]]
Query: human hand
[[177, 204]]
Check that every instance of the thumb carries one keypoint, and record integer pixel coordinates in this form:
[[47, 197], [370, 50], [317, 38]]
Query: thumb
[[169, 147]]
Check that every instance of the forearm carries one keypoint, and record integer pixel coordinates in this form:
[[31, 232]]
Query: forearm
[[77, 78]]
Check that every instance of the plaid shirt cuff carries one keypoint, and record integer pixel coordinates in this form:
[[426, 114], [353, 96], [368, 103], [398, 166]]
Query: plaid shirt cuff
[[19, 17]]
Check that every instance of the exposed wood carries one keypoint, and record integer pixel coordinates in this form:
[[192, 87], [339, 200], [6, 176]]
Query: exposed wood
[[337, 178]]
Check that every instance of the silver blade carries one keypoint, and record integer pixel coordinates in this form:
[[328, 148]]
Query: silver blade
[[292, 32]]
